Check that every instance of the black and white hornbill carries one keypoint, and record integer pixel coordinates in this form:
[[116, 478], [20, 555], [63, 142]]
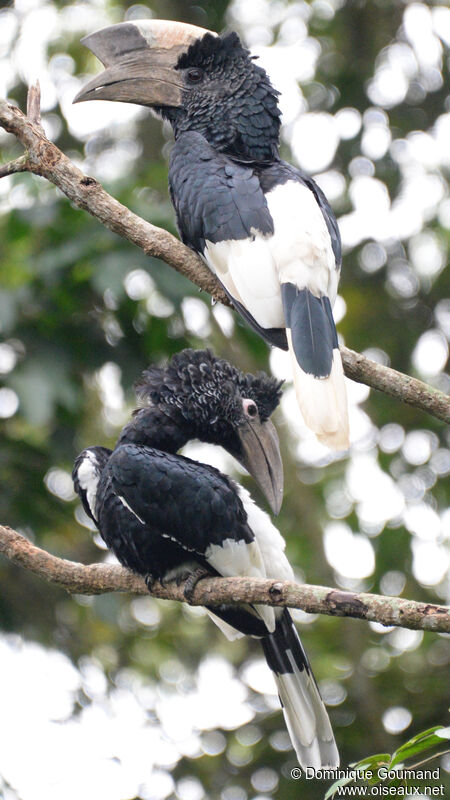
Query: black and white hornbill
[[166, 516], [262, 226]]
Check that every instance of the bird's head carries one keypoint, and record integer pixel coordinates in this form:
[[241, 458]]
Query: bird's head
[[193, 77], [215, 402]]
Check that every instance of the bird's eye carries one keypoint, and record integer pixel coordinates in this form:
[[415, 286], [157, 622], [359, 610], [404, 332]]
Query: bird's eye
[[250, 408], [194, 75]]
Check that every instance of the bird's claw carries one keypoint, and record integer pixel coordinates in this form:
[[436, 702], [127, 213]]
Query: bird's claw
[[191, 582]]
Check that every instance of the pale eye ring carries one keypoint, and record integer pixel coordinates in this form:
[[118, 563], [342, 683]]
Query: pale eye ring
[[250, 408]]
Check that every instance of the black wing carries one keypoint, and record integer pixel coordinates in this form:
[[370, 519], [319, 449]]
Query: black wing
[[193, 504], [161, 512], [214, 197], [218, 199]]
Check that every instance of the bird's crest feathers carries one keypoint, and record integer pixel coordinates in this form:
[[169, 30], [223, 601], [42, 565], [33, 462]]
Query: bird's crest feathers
[[195, 378], [212, 50]]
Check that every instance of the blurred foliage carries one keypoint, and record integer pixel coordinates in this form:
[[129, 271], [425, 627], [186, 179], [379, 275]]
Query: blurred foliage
[[82, 313]]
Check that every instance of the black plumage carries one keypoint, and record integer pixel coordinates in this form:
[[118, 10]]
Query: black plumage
[[166, 516], [259, 223]]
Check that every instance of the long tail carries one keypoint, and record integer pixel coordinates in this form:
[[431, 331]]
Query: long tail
[[317, 364], [303, 708]]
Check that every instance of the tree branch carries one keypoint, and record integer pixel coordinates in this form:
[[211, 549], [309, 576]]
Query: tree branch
[[100, 578], [45, 159]]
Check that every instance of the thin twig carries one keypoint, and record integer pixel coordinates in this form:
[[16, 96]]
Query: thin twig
[[20, 164], [34, 106], [44, 158], [100, 578]]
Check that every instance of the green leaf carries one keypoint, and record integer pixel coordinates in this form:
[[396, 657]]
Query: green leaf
[[370, 763], [337, 785], [419, 744]]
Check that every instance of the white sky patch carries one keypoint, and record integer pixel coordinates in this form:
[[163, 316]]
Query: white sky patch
[[442, 314], [213, 455], [258, 676], [138, 284], [314, 139], [350, 554], [375, 141], [196, 316], [9, 403], [348, 122], [110, 748], [108, 380], [376, 494], [219, 700], [418, 446], [396, 719], [59, 482], [391, 437], [427, 253], [333, 185], [430, 353], [225, 319], [431, 562], [402, 640], [8, 358]]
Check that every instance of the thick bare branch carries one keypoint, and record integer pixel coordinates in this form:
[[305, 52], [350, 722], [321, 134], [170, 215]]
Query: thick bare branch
[[100, 578], [403, 387], [45, 159]]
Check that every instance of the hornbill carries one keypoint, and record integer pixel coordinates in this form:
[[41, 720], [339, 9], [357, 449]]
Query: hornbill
[[261, 225], [168, 517]]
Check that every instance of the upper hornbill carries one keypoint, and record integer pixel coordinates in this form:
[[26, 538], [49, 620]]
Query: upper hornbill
[[166, 516], [262, 226]]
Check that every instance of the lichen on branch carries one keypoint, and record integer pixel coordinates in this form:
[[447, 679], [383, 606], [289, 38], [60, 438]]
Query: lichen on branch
[[101, 578]]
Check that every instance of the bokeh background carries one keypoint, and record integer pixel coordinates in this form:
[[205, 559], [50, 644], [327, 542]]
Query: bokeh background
[[120, 698]]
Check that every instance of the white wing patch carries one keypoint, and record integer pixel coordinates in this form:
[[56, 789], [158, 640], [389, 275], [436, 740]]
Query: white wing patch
[[240, 558], [247, 270], [88, 477], [263, 558], [299, 252], [270, 541], [301, 244]]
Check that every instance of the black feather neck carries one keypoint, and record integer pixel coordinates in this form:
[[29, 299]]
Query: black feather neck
[[151, 427], [235, 107]]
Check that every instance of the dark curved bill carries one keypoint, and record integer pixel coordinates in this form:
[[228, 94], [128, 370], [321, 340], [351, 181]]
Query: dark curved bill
[[140, 59], [262, 458]]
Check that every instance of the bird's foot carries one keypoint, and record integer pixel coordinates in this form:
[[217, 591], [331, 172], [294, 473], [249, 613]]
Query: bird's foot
[[150, 581], [191, 581]]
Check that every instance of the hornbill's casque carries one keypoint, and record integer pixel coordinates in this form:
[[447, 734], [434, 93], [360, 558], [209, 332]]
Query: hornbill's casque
[[262, 226], [166, 516]]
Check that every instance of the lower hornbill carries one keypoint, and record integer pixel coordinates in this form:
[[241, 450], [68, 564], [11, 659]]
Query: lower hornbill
[[167, 517], [262, 226]]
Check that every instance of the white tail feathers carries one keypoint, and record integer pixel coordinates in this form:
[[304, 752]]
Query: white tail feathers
[[307, 720], [304, 711], [323, 401]]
